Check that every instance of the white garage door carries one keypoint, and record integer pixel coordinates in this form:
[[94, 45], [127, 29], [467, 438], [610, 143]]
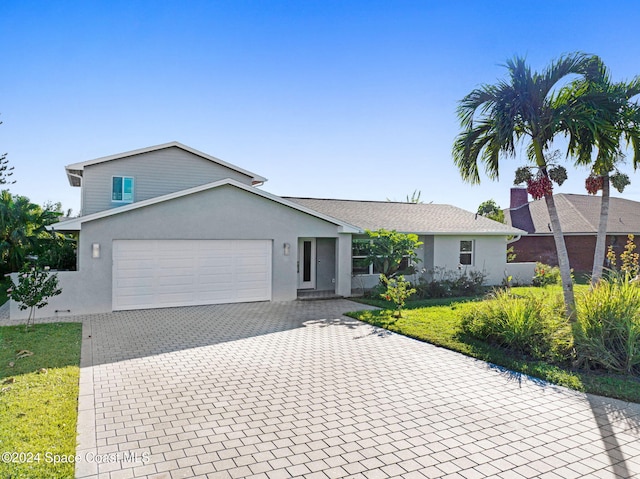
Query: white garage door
[[164, 273]]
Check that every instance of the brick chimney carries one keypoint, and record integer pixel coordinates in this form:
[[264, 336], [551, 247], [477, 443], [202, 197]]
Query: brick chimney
[[519, 197]]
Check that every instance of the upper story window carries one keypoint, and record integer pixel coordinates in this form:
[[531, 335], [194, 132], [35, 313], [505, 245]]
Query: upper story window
[[122, 189], [466, 252]]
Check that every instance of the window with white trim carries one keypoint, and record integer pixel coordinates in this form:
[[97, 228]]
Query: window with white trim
[[122, 189], [466, 252]]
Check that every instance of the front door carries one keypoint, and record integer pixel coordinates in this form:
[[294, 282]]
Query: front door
[[306, 263]]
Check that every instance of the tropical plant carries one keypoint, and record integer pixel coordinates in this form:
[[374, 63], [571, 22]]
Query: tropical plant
[[618, 121], [387, 250], [496, 118], [414, 198], [22, 227], [397, 290], [35, 286]]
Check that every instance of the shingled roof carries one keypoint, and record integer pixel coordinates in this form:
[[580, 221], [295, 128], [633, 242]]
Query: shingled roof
[[407, 217], [579, 214]]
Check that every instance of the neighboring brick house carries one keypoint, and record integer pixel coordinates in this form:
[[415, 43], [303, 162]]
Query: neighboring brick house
[[579, 217]]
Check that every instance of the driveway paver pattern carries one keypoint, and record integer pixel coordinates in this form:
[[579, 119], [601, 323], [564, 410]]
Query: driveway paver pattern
[[278, 390]]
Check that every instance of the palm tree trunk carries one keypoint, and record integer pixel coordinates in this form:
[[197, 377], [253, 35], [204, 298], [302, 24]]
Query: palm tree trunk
[[601, 240], [563, 259], [558, 237]]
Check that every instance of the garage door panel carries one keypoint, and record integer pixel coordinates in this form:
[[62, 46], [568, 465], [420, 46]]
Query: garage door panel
[[215, 270], [205, 280], [137, 264], [162, 273], [178, 280]]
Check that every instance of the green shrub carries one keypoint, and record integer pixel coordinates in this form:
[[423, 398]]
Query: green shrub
[[544, 275], [607, 330], [526, 325], [448, 284]]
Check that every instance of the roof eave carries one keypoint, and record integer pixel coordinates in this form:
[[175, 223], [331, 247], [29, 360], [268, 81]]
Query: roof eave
[[76, 223], [255, 179]]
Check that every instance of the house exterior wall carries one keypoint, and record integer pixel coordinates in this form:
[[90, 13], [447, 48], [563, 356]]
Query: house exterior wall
[[221, 213], [521, 273], [155, 174], [489, 255], [579, 247], [443, 252]]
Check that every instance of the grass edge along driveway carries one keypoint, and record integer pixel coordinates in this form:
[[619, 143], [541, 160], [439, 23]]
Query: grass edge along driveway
[[438, 322], [39, 399]]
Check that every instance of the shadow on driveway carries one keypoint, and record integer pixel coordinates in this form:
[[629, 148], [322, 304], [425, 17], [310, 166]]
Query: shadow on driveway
[[124, 335]]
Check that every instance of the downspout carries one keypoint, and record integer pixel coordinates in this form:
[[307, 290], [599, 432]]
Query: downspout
[[514, 239]]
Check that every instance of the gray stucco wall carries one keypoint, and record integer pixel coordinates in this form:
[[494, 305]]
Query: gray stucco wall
[[490, 255], [226, 212], [155, 173]]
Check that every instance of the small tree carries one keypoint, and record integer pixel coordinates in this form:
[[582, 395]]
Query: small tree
[[35, 286], [491, 210], [398, 291], [387, 249]]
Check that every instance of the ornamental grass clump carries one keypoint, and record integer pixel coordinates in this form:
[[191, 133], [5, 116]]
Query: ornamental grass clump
[[607, 331], [525, 325]]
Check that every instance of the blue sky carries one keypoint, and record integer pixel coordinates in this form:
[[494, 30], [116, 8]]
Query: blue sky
[[338, 99]]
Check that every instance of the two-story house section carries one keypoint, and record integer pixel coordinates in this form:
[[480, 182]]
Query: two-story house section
[[147, 173], [171, 226]]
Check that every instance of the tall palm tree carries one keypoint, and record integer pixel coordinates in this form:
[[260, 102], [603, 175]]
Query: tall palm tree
[[497, 118], [618, 123]]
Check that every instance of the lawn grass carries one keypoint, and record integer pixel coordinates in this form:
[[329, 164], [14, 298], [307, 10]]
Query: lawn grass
[[39, 398], [439, 322]]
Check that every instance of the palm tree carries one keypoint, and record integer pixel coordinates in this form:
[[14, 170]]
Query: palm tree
[[497, 118], [618, 120]]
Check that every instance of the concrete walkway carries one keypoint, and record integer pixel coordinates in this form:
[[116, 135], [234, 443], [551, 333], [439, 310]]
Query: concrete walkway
[[277, 390]]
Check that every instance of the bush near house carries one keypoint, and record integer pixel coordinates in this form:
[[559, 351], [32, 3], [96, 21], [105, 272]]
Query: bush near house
[[450, 284], [544, 275]]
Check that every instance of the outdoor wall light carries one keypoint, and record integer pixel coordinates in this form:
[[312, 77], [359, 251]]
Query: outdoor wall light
[[287, 248], [95, 250]]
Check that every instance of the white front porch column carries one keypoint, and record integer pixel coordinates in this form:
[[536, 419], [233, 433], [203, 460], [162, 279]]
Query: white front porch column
[[343, 265]]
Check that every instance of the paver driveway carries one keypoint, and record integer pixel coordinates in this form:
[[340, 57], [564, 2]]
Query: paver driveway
[[277, 390]]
